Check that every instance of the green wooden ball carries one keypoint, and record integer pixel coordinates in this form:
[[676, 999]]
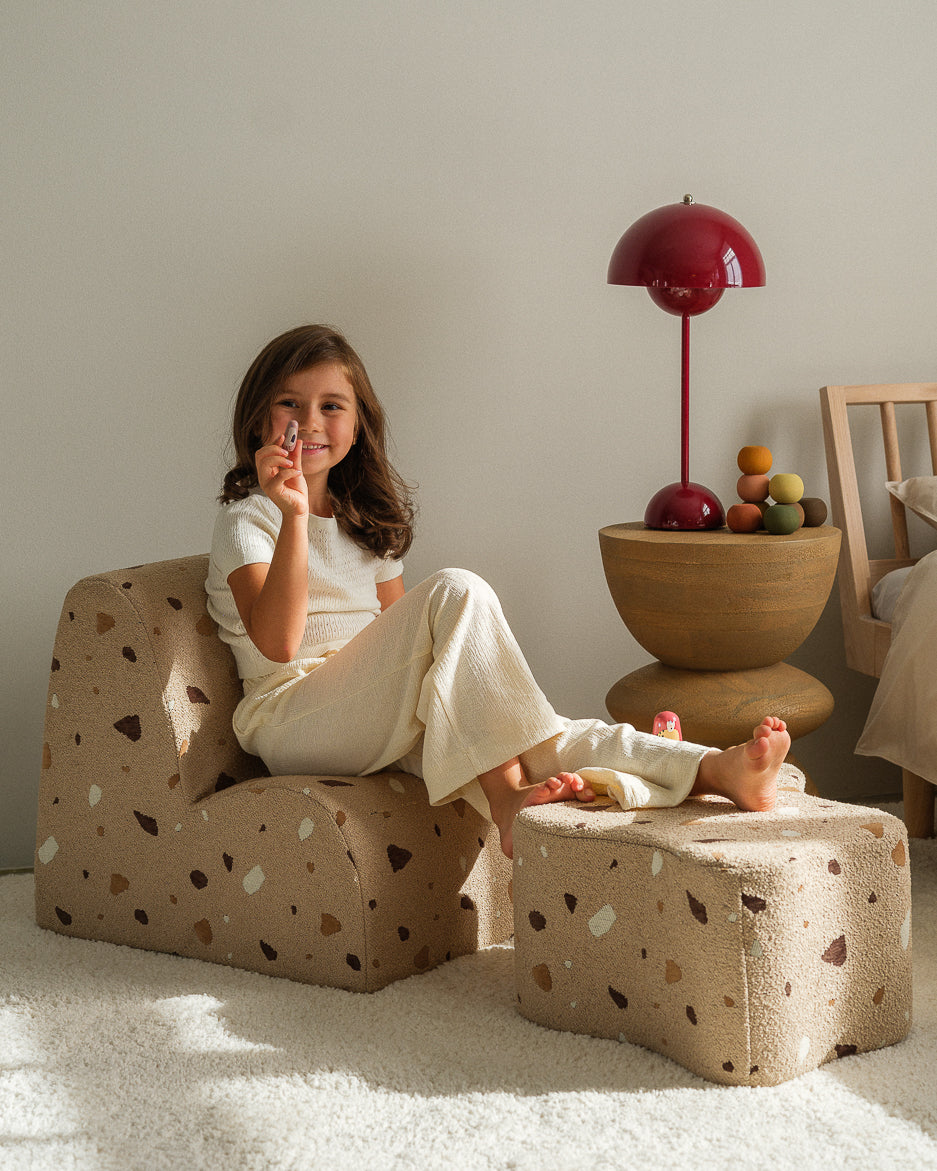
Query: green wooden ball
[[781, 519]]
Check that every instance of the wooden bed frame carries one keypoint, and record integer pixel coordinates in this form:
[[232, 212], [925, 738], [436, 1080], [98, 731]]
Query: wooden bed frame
[[867, 638]]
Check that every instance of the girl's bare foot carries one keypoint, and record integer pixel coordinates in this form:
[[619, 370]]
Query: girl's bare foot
[[508, 793], [747, 774]]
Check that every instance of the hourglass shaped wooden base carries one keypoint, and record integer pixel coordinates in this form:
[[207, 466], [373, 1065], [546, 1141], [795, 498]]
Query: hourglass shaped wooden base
[[720, 611]]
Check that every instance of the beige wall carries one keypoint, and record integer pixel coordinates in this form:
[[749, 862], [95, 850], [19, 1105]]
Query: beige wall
[[446, 181]]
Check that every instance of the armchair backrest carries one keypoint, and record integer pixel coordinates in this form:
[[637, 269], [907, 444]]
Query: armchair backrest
[[137, 658]]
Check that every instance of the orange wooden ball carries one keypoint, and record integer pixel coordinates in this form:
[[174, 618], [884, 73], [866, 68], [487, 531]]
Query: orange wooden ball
[[744, 518], [752, 488], [755, 460]]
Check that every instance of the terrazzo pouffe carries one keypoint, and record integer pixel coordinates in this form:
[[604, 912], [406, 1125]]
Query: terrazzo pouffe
[[156, 830], [748, 947]]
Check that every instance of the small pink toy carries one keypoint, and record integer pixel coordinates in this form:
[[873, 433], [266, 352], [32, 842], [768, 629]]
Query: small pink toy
[[667, 724]]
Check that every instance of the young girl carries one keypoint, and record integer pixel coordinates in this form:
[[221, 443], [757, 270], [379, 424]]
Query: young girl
[[346, 673]]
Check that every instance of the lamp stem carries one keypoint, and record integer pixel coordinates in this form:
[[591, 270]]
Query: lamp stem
[[685, 403]]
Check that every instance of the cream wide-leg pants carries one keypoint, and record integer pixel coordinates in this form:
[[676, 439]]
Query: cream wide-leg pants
[[438, 687]]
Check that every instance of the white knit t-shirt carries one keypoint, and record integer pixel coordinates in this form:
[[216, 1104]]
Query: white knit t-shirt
[[343, 580]]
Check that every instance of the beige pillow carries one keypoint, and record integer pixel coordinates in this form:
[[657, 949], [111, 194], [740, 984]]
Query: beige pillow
[[885, 593], [919, 494]]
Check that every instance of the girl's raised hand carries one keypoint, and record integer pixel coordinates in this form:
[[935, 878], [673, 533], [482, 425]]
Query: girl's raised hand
[[280, 476]]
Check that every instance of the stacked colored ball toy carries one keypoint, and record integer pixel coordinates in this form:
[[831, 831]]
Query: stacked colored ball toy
[[786, 515], [754, 464], [790, 509]]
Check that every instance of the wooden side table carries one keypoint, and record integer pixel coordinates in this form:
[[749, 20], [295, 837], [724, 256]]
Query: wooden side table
[[720, 611]]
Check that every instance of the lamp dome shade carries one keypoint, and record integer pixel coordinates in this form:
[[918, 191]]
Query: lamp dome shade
[[686, 246]]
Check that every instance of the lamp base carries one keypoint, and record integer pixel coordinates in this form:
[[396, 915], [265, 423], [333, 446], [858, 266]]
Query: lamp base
[[684, 507]]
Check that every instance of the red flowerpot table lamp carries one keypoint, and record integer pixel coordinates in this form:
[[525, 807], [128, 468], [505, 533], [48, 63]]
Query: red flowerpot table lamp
[[719, 611], [686, 255]]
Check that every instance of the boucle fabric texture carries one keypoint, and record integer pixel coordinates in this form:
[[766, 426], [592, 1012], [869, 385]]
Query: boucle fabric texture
[[342, 579], [748, 947], [156, 830]]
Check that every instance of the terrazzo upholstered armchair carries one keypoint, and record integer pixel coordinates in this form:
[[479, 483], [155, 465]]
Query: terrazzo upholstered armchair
[[157, 831]]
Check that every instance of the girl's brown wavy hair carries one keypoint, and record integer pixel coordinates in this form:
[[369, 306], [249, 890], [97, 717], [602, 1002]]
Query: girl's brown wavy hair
[[371, 503]]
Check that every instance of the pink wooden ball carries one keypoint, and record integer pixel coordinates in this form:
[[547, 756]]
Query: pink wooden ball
[[744, 518], [752, 488]]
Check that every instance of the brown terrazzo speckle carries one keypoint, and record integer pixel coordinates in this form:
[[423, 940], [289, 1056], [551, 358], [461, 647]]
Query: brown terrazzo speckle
[[836, 952], [697, 909], [398, 857], [147, 823], [129, 726]]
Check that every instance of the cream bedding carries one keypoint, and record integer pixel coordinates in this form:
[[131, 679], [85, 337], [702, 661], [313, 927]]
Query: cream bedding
[[902, 723]]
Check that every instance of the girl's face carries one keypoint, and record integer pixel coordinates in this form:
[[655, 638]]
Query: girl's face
[[323, 403]]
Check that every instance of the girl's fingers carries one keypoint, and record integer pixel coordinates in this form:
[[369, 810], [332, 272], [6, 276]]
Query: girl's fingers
[[279, 474], [276, 459], [273, 450], [275, 455]]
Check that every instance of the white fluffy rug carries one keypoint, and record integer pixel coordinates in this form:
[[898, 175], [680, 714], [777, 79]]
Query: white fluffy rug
[[118, 1059]]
